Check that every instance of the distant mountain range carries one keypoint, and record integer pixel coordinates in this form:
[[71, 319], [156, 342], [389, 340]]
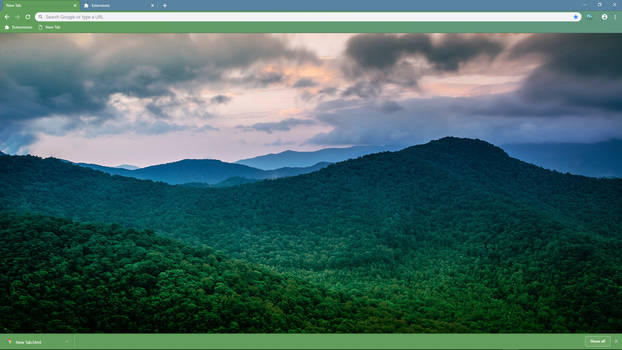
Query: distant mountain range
[[602, 159], [304, 159], [128, 167], [207, 171]]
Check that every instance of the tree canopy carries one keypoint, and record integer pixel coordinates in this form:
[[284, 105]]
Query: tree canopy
[[453, 232]]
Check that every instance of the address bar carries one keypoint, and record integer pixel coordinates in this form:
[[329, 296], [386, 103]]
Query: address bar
[[308, 17]]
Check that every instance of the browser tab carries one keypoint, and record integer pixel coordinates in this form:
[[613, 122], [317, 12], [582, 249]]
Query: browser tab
[[96, 5]]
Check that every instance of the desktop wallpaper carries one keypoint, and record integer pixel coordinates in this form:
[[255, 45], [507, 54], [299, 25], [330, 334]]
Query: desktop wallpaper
[[311, 183]]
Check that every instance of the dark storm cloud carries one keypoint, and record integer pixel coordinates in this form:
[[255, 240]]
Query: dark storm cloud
[[304, 83], [580, 70], [579, 54], [390, 106], [283, 125], [454, 50], [329, 91], [574, 95], [495, 118], [504, 118], [43, 76], [265, 78], [154, 63], [157, 110], [166, 106], [384, 51], [220, 99], [13, 136], [374, 60], [319, 95], [363, 89]]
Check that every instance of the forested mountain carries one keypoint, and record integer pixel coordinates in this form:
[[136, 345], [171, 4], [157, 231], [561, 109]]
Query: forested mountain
[[207, 171], [60, 276], [305, 159], [454, 230], [601, 159], [108, 169], [232, 181]]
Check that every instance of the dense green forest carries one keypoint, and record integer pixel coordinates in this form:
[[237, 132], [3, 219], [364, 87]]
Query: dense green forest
[[450, 235], [61, 276]]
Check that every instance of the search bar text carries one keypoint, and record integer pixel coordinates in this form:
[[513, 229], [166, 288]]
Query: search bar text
[[308, 17]]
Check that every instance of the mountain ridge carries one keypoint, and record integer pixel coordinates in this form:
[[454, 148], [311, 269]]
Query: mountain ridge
[[592, 159], [209, 171], [415, 227], [291, 158]]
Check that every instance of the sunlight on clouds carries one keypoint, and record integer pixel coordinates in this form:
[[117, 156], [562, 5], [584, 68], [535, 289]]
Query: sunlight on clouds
[[468, 85], [231, 96]]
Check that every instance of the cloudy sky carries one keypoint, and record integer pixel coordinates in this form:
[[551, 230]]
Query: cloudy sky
[[148, 99]]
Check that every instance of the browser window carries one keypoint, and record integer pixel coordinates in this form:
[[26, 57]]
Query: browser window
[[310, 175]]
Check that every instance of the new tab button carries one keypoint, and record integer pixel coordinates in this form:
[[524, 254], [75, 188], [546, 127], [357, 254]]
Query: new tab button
[[597, 341]]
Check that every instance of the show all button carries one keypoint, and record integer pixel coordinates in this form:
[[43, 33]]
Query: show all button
[[597, 341]]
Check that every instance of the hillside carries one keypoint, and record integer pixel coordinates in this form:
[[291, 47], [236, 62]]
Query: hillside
[[601, 159], [293, 171], [304, 159], [207, 171], [232, 181], [62, 276], [454, 230]]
